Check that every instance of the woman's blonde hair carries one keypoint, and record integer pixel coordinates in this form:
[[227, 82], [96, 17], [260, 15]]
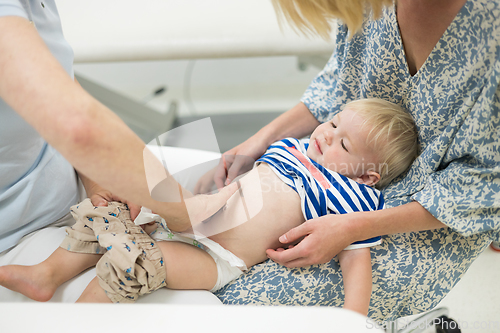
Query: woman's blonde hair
[[393, 135], [315, 16]]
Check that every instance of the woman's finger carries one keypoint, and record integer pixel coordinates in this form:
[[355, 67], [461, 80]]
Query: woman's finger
[[239, 165], [282, 256], [301, 262], [296, 233]]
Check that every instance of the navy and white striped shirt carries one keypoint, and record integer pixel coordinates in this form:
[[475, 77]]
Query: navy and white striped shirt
[[321, 191]]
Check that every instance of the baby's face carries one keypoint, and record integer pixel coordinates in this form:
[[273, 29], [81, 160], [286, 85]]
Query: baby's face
[[340, 145]]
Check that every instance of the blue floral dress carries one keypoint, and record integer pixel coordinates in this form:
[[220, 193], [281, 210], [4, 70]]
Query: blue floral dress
[[455, 101]]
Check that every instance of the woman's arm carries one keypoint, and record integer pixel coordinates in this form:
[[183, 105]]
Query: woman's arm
[[326, 236], [89, 135], [296, 122], [405, 218], [357, 276]]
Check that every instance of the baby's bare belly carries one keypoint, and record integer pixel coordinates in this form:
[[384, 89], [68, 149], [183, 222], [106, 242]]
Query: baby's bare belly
[[249, 227]]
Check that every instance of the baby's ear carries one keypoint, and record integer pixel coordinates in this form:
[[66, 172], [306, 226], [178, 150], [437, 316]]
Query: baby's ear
[[370, 178]]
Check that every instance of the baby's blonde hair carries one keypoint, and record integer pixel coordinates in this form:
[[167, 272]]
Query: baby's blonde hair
[[315, 16], [393, 135]]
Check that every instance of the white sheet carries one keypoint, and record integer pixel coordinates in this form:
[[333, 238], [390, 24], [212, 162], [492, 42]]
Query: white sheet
[[38, 246], [84, 318]]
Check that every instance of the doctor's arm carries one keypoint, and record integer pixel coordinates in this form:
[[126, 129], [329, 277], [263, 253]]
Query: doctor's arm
[[89, 135]]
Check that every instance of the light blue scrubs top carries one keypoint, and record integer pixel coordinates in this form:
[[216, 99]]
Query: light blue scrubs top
[[37, 185]]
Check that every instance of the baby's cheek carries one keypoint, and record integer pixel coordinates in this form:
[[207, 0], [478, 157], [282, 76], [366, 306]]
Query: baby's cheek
[[309, 153]]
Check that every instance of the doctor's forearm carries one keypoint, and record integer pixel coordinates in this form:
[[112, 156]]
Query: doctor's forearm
[[117, 163], [91, 137]]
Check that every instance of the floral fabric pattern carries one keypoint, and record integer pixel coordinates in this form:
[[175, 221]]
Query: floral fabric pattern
[[455, 101]]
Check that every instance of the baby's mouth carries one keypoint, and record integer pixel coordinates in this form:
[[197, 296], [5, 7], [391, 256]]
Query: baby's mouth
[[316, 144]]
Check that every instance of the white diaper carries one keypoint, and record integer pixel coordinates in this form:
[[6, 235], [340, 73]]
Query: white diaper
[[229, 266]]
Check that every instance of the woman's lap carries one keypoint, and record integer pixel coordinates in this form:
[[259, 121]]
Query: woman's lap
[[411, 273]]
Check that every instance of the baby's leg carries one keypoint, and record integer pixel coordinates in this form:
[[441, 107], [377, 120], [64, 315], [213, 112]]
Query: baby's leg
[[39, 282], [79, 251], [186, 267]]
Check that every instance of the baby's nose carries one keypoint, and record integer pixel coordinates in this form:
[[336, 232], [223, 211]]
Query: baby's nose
[[328, 136]]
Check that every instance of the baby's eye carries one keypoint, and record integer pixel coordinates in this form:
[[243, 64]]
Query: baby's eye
[[334, 126], [343, 146]]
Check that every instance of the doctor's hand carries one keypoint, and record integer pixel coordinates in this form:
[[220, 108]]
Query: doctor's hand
[[203, 206], [100, 197], [323, 239], [205, 183]]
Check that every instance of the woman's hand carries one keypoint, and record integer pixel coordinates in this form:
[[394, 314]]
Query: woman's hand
[[296, 122], [323, 239], [239, 160], [233, 163], [326, 236]]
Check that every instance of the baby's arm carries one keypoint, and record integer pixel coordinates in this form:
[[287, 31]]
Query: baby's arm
[[357, 275]]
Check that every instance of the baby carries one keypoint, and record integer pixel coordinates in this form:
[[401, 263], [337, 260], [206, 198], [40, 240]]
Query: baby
[[336, 171]]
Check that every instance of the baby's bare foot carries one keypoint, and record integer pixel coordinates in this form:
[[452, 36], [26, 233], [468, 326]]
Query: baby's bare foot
[[31, 281]]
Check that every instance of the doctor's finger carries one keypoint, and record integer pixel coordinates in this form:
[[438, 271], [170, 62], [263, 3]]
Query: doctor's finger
[[134, 210], [132, 207], [203, 185], [205, 182], [220, 174], [98, 200], [198, 187], [221, 198], [203, 206]]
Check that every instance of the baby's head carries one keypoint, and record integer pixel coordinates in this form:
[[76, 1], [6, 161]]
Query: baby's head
[[371, 141]]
